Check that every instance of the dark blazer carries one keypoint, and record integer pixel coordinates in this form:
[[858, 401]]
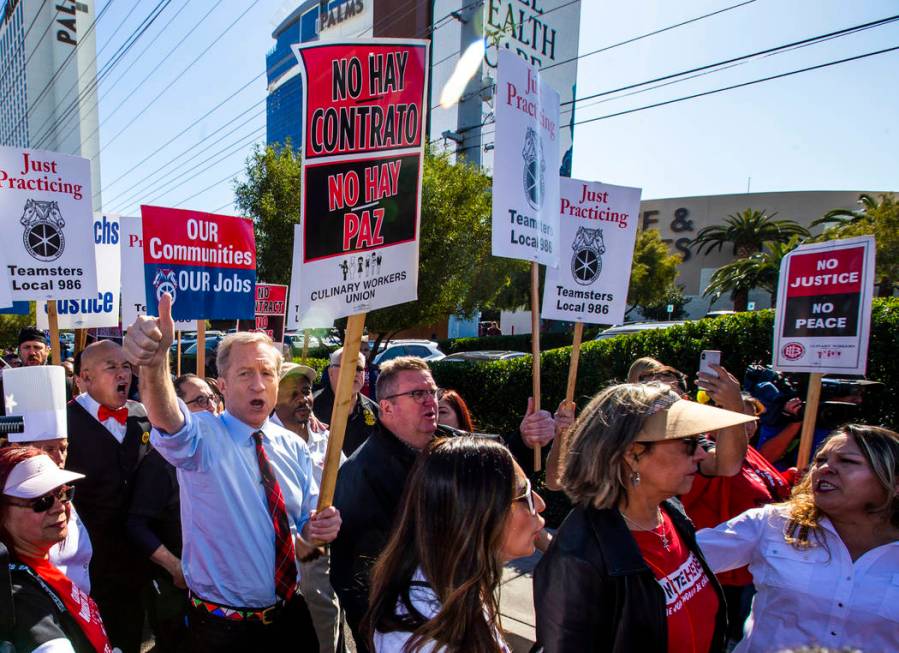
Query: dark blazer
[[593, 592], [104, 494]]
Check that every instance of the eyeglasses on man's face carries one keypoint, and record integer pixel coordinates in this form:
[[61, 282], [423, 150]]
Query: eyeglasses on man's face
[[203, 401], [419, 396], [43, 503]]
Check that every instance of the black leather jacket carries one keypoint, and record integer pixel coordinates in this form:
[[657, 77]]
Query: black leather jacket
[[594, 593]]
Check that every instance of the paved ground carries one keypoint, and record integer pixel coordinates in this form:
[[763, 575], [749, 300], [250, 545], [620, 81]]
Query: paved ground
[[517, 603]]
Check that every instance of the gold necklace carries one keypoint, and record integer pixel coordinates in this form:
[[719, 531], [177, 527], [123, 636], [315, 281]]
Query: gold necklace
[[666, 544]]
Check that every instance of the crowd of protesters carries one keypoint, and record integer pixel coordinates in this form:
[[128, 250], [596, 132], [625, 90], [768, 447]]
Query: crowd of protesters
[[197, 511]]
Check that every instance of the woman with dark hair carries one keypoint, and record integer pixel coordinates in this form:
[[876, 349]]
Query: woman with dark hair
[[467, 509], [825, 562], [624, 572], [51, 614], [452, 411]]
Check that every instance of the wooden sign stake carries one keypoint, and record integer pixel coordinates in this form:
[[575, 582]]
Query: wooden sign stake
[[305, 344], [80, 340], [343, 406], [559, 449], [53, 319], [178, 355], [201, 348], [535, 351], [807, 434]]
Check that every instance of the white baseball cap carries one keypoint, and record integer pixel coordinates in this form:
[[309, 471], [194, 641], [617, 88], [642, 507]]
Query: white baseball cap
[[35, 476]]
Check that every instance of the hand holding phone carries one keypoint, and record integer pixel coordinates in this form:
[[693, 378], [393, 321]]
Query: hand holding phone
[[707, 358]]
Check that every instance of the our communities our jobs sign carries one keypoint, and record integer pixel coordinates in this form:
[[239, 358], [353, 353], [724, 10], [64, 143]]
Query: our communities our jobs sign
[[356, 247], [101, 309], [598, 227], [207, 263], [134, 293], [526, 164], [823, 318], [45, 209]]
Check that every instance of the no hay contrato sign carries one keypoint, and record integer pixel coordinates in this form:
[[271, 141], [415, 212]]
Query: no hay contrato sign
[[207, 263], [356, 247], [45, 208], [823, 318], [525, 164], [598, 225]]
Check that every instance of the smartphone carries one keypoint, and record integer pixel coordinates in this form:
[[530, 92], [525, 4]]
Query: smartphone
[[707, 358]]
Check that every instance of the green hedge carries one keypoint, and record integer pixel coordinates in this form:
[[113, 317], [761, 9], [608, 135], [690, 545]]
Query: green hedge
[[521, 342], [497, 392]]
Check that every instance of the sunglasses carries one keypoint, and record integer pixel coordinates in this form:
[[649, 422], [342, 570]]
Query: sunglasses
[[528, 497], [691, 444], [44, 503]]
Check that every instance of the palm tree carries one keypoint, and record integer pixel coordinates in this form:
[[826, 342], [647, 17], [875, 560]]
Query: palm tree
[[759, 270], [838, 217], [748, 231]]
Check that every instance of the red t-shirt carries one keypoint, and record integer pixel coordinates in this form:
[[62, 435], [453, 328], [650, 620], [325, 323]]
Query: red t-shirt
[[80, 605], [714, 500], [690, 598]]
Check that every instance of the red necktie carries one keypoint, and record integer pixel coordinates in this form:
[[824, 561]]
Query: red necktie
[[120, 414], [285, 555]]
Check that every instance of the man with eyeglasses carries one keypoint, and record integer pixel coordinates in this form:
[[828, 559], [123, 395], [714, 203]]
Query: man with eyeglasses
[[108, 436], [195, 393], [363, 419]]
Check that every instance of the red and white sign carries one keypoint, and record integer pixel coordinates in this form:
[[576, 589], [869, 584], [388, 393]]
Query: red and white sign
[[271, 305], [823, 318]]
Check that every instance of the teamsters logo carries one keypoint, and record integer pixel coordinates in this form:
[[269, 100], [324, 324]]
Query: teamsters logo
[[793, 351], [164, 282], [43, 236], [586, 262], [534, 168]]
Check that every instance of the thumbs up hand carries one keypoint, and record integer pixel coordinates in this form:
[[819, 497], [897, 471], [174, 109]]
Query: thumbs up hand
[[148, 340]]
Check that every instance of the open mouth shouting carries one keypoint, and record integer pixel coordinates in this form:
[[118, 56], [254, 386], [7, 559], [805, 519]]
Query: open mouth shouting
[[824, 486]]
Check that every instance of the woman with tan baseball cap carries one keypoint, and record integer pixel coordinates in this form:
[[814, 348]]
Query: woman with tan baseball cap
[[624, 572]]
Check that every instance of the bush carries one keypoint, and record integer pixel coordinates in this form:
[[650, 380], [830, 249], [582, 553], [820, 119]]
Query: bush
[[521, 342], [497, 392]]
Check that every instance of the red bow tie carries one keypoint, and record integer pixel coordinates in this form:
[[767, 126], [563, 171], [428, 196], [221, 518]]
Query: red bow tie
[[120, 415]]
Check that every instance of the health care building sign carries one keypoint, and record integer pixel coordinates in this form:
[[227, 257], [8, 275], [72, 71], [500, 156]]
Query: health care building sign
[[356, 247], [45, 210], [526, 164], [598, 224], [206, 262], [823, 318]]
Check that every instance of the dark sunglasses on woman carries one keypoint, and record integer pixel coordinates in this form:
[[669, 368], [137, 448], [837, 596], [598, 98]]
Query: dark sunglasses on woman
[[45, 502]]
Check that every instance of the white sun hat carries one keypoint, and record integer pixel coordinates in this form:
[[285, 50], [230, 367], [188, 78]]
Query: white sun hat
[[35, 476]]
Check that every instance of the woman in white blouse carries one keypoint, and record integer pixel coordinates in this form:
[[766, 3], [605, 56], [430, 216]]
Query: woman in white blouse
[[468, 509], [825, 563]]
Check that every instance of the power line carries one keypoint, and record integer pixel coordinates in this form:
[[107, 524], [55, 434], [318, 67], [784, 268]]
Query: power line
[[54, 124]]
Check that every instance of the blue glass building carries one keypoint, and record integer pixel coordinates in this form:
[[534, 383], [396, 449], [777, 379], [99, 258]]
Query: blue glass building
[[13, 89], [285, 85]]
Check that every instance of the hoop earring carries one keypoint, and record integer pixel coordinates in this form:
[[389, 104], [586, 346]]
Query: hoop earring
[[635, 479]]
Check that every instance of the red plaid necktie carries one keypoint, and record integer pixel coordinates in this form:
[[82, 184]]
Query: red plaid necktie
[[285, 555]]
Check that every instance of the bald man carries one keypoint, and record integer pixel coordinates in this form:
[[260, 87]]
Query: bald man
[[108, 436]]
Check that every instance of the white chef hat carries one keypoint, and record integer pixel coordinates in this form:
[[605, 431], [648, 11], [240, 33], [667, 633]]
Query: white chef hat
[[38, 394]]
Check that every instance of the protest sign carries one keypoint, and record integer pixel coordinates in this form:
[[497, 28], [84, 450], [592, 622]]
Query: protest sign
[[526, 164], [823, 318], [101, 310], [134, 293], [598, 226], [356, 247], [271, 304], [206, 262], [45, 201]]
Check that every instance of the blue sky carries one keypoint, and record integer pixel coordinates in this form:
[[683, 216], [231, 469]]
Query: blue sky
[[831, 129]]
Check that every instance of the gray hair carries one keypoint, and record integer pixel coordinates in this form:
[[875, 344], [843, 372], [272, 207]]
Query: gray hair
[[595, 471], [223, 354], [387, 379], [335, 358]]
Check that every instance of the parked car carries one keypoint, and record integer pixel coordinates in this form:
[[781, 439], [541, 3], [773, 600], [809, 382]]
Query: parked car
[[483, 356], [425, 349], [189, 356], [635, 327]]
